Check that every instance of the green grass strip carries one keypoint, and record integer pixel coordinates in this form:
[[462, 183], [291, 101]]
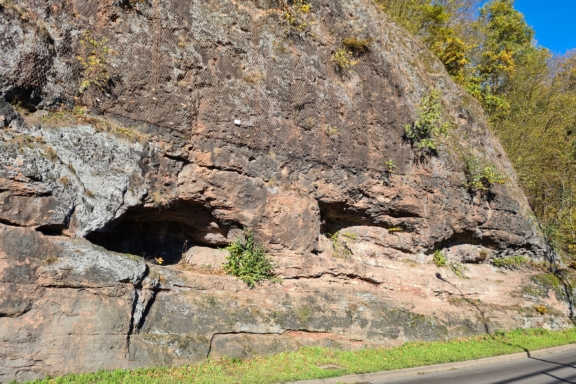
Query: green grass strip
[[311, 363]]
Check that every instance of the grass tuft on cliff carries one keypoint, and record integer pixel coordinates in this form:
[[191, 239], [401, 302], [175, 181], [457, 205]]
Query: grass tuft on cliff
[[316, 363]]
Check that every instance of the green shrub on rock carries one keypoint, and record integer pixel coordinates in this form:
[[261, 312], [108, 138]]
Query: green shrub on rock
[[431, 123], [510, 262], [458, 269], [248, 261], [439, 259], [482, 176], [344, 59]]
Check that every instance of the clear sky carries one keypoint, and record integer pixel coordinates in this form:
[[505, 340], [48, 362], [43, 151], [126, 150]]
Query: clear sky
[[554, 22]]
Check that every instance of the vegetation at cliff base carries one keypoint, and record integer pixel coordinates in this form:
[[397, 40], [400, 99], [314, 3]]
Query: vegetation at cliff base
[[439, 259], [529, 96], [510, 262], [317, 362], [248, 261]]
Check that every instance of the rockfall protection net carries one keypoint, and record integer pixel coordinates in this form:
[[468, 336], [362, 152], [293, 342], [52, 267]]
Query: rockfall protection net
[[192, 65]]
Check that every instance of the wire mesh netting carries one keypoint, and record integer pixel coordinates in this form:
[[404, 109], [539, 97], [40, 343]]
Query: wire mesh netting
[[214, 68]]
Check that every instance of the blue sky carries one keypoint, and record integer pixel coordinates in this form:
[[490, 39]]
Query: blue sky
[[554, 22]]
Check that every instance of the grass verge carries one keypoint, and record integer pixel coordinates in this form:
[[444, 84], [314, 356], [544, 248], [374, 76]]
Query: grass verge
[[312, 363]]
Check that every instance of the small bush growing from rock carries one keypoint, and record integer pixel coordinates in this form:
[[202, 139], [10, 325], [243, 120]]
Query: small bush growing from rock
[[95, 63], [510, 262], [458, 270], [254, 77], [50, 260], [482, 176], [160, 199], [23, 141], [340, 245], [541, 309], [64, 181], [248, 261], [280, 48], [352, 48], [295, 13], [357, 46], [344, 59], [51, 154], [390, 166], [332, 130], [439, 259], [430, 124]]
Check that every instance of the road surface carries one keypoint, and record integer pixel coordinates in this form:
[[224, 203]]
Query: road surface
[[547, 369]]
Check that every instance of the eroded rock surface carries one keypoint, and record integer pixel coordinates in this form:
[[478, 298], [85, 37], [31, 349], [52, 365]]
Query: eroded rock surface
[[205, 117]]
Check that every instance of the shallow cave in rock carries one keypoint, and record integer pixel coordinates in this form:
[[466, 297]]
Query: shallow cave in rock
[[52, 229], [335, 216], [467, 237], [165, 233], [27, 97]]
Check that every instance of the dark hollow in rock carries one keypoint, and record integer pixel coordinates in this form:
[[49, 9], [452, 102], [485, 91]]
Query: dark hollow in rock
[[335, 216], [52, 229], [165, 232], [26, 97], [467, 238]]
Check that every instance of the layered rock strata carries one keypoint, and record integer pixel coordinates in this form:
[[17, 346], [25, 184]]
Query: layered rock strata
[[188, 121]]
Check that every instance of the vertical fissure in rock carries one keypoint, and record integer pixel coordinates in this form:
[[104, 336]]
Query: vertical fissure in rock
[[146, 306], [141, 305], [133, 315]]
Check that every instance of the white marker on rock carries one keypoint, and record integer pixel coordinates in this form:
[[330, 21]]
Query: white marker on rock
[[237, 122]]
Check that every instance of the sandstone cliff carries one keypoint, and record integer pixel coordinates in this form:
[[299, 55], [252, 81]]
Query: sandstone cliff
[[205, 117]]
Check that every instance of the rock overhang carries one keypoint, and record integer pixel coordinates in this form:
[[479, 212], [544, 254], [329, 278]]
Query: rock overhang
[[159, 162]]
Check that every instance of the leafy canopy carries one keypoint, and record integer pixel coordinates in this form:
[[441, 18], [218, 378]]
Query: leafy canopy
[[528, 95]]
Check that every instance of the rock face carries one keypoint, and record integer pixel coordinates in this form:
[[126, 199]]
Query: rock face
[[205, 117]]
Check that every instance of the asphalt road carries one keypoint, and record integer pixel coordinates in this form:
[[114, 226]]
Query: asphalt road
[[547, 369]]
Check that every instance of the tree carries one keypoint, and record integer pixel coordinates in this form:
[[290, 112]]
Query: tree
[[507, 39], [529, 96]]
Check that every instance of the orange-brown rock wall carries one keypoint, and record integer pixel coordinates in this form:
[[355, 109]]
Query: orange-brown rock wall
[[196, 119]]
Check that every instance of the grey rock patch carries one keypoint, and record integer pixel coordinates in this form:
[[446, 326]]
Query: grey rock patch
[[82, 261], [206, 257], [468, 253], [89, 178]]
